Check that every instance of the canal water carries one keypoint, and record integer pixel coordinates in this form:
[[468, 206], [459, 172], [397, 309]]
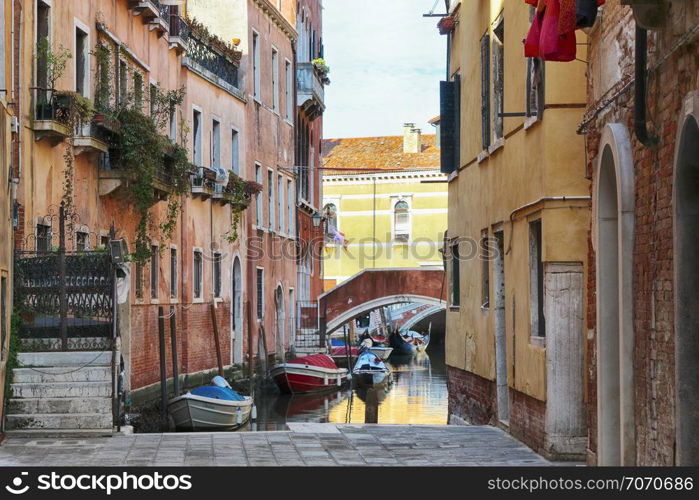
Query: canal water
[[418, 395]]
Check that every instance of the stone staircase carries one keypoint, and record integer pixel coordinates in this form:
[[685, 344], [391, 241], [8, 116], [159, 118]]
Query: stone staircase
[[61, 394]]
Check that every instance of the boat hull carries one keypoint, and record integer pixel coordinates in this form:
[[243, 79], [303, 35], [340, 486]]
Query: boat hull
[[401, 346], [371, 378], [198, 413], [300, 379], [382, 352]]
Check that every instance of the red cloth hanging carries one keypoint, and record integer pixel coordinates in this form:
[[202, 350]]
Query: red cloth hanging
[[566, 18], [552, 45], [531, 43]]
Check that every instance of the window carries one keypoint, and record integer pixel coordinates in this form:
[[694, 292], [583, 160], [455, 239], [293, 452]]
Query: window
[[270, 198], [290, 207], [82, 62], [235, 152], [3, 315], [401, 221], [139, 281], [216, 144], [197, 136], [104, 241], [535, 87], [280, 202], [154, 268], [536, 280], [217, 274], [197, 273], [173, 124], [258, 200], [330, 213], [138, 90], [485, 91], [498, 62], [455, 296], [275, 80], [82, 240], [485, 271], [43, 36], [260, 293], [173, 273], [256, 65], [153, 99], [289, 91], [43, 237], [123, 82]]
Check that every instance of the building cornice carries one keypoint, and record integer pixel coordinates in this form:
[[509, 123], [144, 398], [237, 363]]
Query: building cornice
[[418, 174], [277, 18]]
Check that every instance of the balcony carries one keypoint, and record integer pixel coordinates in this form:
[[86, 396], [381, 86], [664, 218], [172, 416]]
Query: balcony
[[238, 192], [311, 92], [203, 183], [50, 113], [147, 10], [177, 34], [161, 23], [113, 176], [90, 139]]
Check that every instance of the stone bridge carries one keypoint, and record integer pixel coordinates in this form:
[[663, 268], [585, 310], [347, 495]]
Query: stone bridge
[[374, 288]]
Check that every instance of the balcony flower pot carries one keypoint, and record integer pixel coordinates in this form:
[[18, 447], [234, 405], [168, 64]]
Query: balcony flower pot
[[446, 25]]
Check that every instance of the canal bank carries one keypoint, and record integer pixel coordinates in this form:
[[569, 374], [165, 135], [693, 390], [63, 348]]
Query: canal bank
[[304, 444]]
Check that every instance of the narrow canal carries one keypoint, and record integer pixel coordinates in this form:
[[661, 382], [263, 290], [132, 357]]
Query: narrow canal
[[418, 395]]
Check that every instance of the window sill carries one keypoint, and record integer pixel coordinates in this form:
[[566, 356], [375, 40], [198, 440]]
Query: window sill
[[154, 301], [482, 156], [199, 300], [453, 176], [454, 308], [496, 145], [530, 121], [174, 301], [218, 300], [537, 341], [139, 302]]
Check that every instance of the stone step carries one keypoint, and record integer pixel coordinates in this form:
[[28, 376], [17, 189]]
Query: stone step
[[60, 405], [46, 374], [62, 390], [55, 359], [59, 433], [59, 421]]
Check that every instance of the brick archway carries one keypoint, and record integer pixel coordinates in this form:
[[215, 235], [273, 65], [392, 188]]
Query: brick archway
[[374, 288]]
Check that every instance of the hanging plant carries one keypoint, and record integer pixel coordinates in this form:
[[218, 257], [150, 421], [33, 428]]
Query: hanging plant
[[242, 192]]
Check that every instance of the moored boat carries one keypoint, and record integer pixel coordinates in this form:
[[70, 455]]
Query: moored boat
[[409, 341], [210, 408], [370, 370], [340, 355], [382, 352], [314, 373]]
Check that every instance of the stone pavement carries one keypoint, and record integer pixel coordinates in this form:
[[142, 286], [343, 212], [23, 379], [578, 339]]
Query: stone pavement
[[303, 444]]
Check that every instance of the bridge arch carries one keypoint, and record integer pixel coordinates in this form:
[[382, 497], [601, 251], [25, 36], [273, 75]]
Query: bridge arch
[[373, 288]]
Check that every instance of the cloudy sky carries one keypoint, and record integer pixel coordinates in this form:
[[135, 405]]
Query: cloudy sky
[[385, 61]]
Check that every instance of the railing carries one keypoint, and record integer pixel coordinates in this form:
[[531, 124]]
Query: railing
[[204, 54], [309, 83]]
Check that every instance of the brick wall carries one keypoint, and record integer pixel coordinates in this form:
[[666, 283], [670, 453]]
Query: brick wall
[[527, 420], [471, 397], [668, 83], [196, 347]]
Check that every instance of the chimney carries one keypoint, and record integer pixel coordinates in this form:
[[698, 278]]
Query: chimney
[[412, 139]]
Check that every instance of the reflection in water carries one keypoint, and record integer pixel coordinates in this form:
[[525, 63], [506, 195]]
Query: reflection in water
[[418, 395]]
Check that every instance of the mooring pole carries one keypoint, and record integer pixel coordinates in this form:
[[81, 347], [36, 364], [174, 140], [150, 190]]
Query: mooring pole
[[173, 343], [163, 371], [216, 340], [62, 293]]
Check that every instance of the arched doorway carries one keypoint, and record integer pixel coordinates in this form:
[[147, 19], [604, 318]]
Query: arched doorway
[[614, 203], [279, 315], [237, 336], [686, 263]]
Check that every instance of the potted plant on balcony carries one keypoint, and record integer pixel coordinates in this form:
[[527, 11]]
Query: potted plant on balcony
[[50, 68], [322, 69]]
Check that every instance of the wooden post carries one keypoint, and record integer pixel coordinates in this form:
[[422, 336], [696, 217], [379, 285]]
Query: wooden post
[[173, 343], [62, 293], [251, 363], [216, 340], [163, 371], [264, 343]]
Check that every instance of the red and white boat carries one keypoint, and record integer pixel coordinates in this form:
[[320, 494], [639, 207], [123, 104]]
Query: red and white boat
[[314, 373]]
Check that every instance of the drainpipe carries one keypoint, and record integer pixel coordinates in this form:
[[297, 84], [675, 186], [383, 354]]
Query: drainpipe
[[639, 104]]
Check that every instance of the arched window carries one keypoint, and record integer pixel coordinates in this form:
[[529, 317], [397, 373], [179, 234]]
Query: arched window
[[401, 221], [330, 213]]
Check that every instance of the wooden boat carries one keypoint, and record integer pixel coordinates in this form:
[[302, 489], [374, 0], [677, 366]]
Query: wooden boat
[[214, 407], [314, 373], [370, 370], [409, 342], [382, 352], [339, 355]]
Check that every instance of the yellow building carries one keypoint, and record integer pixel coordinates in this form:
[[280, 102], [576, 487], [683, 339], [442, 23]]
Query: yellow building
[[384, 202], [518, 223]]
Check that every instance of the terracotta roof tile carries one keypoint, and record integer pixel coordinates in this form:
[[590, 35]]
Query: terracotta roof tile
[[372, 153]]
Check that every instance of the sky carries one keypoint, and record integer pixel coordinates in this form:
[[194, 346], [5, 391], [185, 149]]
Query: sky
[[386, 61]]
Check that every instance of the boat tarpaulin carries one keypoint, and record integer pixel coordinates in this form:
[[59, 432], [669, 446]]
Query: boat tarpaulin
[[214, 392], [322, 360]]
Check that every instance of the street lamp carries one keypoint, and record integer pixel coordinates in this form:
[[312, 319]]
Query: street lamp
[[317, 219]]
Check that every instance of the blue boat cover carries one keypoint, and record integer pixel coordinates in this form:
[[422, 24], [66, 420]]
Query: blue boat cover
[[214, 392], [337, 343]]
